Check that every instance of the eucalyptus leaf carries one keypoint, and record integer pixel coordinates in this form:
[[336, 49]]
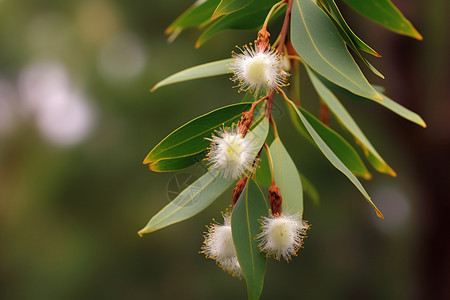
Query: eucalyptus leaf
[[176, 164], [347, 121], [215, 68], [385, 13], [387, 102], [189, 139], [331, 156], [190, 201], [319, 44], [250, 206], [229, 6], [287, 179], [250, 17], [196, 15], [350, 38], [342, 149], [337, 16], [262, 175]]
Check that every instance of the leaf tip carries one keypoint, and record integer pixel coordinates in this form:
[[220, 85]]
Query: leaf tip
[[153, 88], [379, 214], [423, 124], [141, 233]]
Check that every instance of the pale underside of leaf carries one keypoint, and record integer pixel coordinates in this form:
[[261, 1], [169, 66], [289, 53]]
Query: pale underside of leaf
[[287, 179], [201, 71]]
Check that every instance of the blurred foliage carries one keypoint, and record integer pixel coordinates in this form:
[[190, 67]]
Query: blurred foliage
[[70, 209]]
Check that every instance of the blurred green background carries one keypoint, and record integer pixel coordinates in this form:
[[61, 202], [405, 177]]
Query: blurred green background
[[77, 119]]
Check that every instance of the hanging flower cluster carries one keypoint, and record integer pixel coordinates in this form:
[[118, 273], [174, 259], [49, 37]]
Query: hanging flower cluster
[[266, 216]]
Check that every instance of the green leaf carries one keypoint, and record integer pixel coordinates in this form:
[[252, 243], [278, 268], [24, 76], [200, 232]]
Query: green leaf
[[190, 139], [287, 179], [176, 164], [219, 67], [244, 227], [337, 16], [402, 111], [385, 13], [350, 38], [194, 16], [387, 102], [310, 189], [262, 175], [318, 43], [347, 121], [229, 6], [250, 17], [190, 201], [346, 153], [331, 156]]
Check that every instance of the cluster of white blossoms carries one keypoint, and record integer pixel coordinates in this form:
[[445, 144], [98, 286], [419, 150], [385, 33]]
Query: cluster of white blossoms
[[231, 153], [219, 245], [282, 235], [258, 71]]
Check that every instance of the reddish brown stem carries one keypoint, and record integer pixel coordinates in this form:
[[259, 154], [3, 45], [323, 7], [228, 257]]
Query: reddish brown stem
[[284, 29]]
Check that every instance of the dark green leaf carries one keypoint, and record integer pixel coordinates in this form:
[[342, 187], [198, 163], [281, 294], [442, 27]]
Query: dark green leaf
[[215, 68], [176, 164], [346, 153], [387, 102], [350, 38], [336, 14], [263, 176], [331, 156], [194, 16], [250, 207], [189, 139], [345, 118], [229, 6], [318, 43], [250, 17], [386, 14], [287, 179], [190, 201]]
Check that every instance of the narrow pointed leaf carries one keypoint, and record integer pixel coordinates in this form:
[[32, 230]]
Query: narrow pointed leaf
[[262, 174], [250, 207], [347, 121], [226, 7], [219, 67], [385, 13], [194, 16], [319, 44], [342, 149], [189, 139], [176, 164], [250, 17], [190, 201], [336, 14], [287, 179], [331, 156], [204, 191], [350, 38], [387, 102]]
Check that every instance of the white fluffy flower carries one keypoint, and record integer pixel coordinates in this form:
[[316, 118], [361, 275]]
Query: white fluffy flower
[[219, 245], [257, 71], [282, 235], [231, 154]]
